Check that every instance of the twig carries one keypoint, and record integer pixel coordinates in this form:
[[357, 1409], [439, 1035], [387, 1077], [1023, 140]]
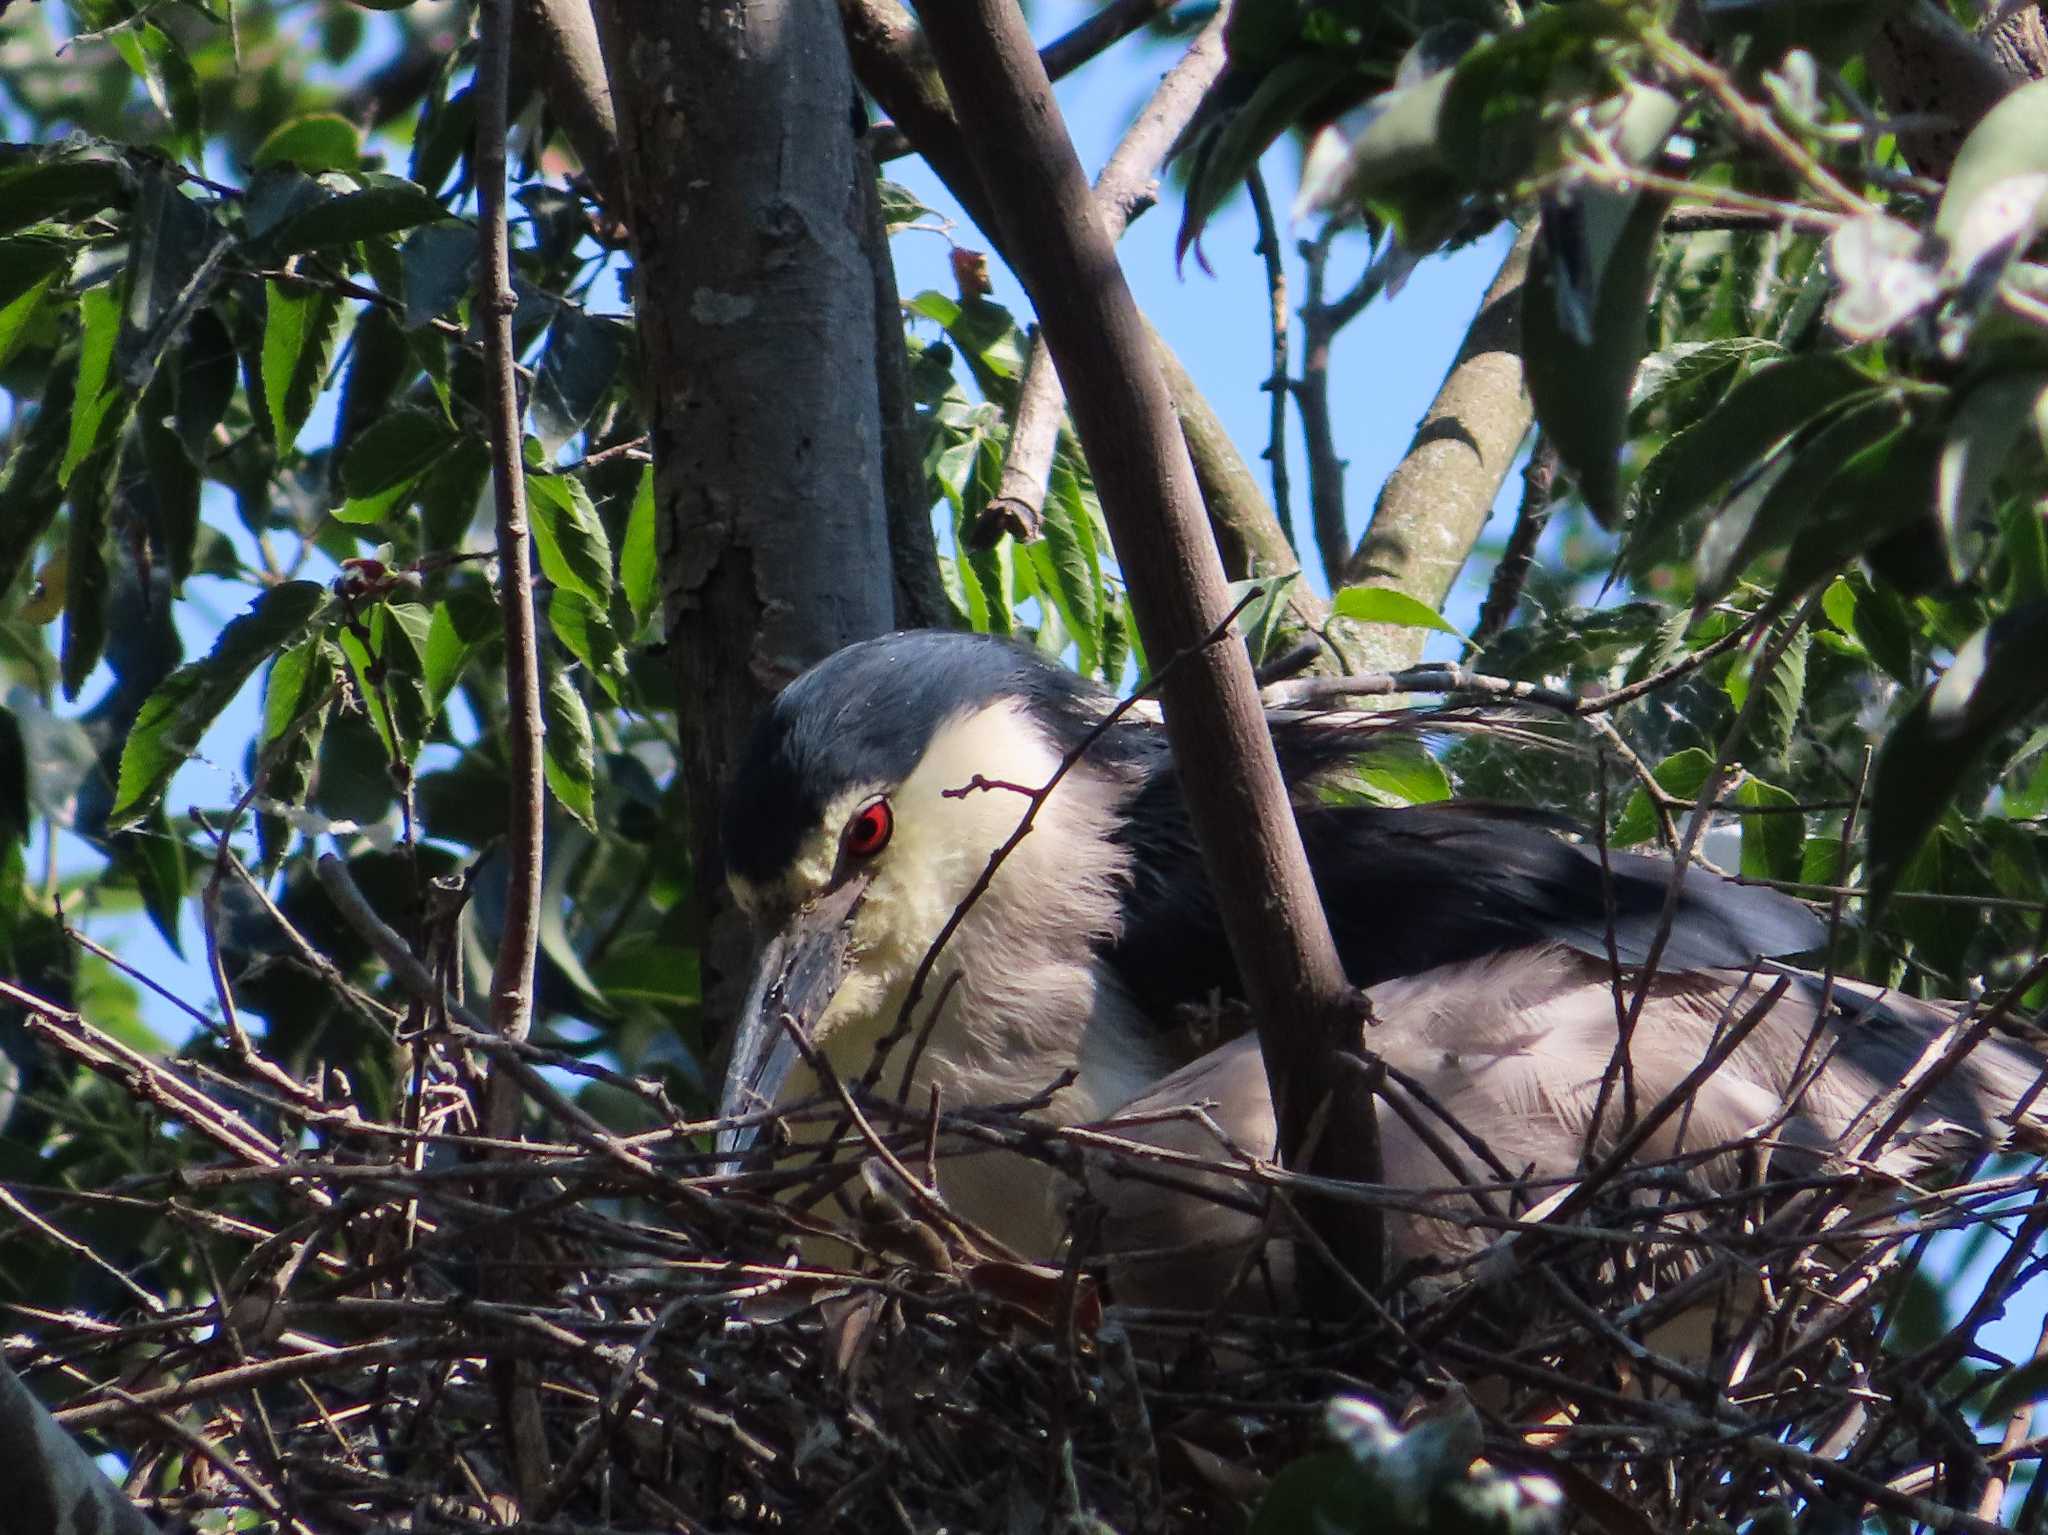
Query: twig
[[1277, 380], [1319, 326], [1504, 592]]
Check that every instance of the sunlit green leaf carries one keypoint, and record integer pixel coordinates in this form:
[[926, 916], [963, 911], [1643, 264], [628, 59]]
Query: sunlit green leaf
[[178, 713], [568, 536], [319, 141], [637, 565], [300, 325], [1384, 605]]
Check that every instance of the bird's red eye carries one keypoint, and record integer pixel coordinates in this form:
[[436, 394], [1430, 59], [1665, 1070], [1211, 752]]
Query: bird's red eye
[[868, 832]]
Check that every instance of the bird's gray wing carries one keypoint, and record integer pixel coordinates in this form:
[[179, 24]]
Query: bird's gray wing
[[1511, 1050]]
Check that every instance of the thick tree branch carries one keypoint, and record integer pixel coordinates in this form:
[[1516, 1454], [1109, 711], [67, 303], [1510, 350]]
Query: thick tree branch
[[1928, 69], [561, 35], [745, 194], [1438, 498], [1251, 846]]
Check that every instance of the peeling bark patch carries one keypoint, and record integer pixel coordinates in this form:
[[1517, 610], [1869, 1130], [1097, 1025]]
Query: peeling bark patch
[[710, 307]]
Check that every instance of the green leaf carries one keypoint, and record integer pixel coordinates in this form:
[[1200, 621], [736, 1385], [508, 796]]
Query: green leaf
[[1066, 562], [29, 270], [638, 568], [1226, 147], [1777, 714], [300, 324], [93, 415], [1509, 91], [900, 207], [208, 371], [154, 857], [1402, 774], [1878, 621], [319, 141], [395, 451], [301, 682], [586, 633], [1887, 488], [1697, 466], [62, 185], [14, 800], [85, 551], [1767, 512], [386, 654], [1584, 309], [1384, 605], [437, 262], [167, 74], [579, 368], [177, 714], [29, 487], [1773, 834], [1679, 385], [1981, 436], [370, 204], [1681, 775], [174, 261], [652, 971], [1401, 142], [170, 499], [574, 552], [2015, 1388], [1995, 683], [450, 494], [569, 757], [464, 622]]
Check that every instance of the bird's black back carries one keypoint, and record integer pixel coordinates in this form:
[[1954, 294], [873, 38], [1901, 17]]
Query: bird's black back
[[1407, 890]]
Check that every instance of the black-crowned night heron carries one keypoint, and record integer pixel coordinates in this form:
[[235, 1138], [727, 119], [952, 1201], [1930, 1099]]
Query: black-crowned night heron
[[879, 784]]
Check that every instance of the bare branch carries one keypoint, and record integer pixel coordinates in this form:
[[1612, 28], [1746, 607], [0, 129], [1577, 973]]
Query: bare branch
[[1123, 191], [512, 979]]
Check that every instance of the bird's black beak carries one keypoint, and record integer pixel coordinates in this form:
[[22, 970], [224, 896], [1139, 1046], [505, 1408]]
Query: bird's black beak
[[795, 978]]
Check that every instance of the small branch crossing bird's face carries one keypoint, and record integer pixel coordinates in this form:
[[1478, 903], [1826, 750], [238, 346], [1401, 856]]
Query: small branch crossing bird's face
[[871, 804]]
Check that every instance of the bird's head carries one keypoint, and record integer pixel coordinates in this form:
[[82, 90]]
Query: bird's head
[[864, 811]]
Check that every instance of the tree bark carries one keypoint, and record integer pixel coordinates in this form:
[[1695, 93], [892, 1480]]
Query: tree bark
[[744, 192], [1433, 506]]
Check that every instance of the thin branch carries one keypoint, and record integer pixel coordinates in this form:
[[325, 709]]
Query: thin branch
[[512, 977], [1312, 394], [1107, 27], [1124, 190], [1276, 379], [1504, 593]]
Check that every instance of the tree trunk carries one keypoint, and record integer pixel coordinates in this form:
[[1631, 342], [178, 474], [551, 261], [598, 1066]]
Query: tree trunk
[[757, 324]]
